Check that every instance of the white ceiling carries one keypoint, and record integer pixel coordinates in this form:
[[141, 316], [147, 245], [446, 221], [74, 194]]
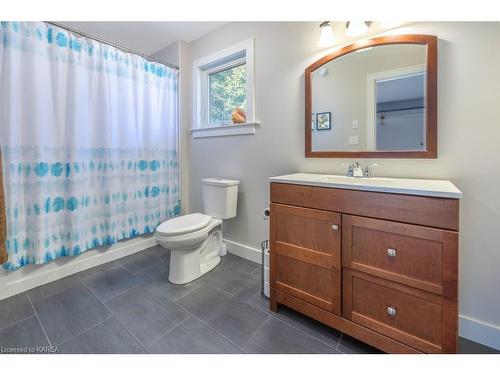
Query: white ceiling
[[145, 37]]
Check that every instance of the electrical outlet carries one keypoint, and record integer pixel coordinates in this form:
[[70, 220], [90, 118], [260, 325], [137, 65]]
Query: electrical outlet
[[353, 140], [355, 124]]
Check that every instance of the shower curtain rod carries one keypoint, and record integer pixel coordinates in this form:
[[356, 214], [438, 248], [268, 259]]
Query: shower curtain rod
[[147, 57]]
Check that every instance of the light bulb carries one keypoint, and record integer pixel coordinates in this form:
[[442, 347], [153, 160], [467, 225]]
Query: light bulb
[[355, 28], [326, 35]]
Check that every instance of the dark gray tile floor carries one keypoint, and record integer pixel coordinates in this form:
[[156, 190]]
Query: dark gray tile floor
[[128, 306]]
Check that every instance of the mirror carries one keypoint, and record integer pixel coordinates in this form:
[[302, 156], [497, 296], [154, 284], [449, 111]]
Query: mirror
[[376, 98]]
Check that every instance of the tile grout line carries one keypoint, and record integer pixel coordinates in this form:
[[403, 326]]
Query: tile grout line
[[123, 324], [128, 289], [310, 335], [212, 328], [19, 321], [181, 297], [146, 347], [257, 330], [206, 324], [113, 315], [95, 295], [340, 340], [278, 316], [55, 281], [86, 330], [146, 268], [107, 269], [337, 347], [235, 296], [122, 292], [155, 257], [103, 301], [166, 333], [307, 333], [39, 321], [239, 270], [137, 272], [131, 334]]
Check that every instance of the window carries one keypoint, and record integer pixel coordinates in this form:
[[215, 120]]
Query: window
[[227, 90], [223, 83]]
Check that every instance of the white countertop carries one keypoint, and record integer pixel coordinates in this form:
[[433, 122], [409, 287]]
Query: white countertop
[[431, 188]]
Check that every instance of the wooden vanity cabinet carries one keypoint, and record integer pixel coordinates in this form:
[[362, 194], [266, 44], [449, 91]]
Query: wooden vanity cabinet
[[377, 266]]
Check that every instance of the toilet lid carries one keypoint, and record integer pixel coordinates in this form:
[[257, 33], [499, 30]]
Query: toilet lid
[[183, 224]]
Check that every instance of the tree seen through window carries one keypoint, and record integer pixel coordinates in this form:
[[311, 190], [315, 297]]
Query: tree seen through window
[[227, 91]]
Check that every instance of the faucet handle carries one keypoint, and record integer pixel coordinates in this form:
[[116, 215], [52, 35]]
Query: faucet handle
[[350, 171], [368, 170], [357, 171]]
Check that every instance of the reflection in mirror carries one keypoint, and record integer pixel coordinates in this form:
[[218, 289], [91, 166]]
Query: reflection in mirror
[[375, 98], [400, 123]]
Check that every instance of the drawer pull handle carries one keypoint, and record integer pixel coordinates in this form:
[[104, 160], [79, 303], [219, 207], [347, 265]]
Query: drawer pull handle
[[391, 311], [391, 252], [335, 227]]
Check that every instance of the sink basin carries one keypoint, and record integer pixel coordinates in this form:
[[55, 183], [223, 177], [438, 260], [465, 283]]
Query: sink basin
[[432, 188], [334, 179]]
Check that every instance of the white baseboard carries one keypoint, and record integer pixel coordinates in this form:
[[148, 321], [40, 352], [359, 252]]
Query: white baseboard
[[244, 251], [482, 332], [31, 276]]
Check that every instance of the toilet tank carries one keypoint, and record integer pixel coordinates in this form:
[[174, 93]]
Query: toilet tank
[[220, 197]]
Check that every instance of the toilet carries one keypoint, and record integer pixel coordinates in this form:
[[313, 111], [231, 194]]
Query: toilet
[[195, 240]]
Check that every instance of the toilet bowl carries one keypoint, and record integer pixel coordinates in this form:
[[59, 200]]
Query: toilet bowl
[[195, 240]]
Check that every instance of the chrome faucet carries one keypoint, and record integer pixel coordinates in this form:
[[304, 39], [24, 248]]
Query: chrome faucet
[[368, 170], [354, 170]]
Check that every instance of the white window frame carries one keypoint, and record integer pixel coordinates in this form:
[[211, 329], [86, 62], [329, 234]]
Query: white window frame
[[238, 54]]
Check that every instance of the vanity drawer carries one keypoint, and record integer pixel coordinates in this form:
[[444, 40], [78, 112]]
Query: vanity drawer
[[419, 319], [305, 255], [421, 257], [429, 211]]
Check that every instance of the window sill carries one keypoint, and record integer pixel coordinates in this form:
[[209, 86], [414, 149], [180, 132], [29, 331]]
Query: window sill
[[225, 130]]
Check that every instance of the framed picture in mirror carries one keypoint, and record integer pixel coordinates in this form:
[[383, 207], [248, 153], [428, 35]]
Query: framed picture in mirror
[[324, 121]]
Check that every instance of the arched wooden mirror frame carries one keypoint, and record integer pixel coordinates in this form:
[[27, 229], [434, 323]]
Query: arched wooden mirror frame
[[431, 98]]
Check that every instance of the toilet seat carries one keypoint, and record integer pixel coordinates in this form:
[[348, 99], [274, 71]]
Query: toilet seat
[[183, 224], [185, 239]]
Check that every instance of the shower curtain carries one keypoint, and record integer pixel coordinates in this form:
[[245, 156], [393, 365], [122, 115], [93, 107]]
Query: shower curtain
[[89, 143]]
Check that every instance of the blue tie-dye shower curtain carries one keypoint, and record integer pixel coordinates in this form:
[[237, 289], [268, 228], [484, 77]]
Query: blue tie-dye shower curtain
[[89, 143]]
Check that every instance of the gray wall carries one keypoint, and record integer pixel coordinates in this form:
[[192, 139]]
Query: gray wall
[[169, 54], [469, 138]]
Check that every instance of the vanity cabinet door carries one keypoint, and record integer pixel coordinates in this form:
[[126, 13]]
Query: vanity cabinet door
[[305, 255]]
